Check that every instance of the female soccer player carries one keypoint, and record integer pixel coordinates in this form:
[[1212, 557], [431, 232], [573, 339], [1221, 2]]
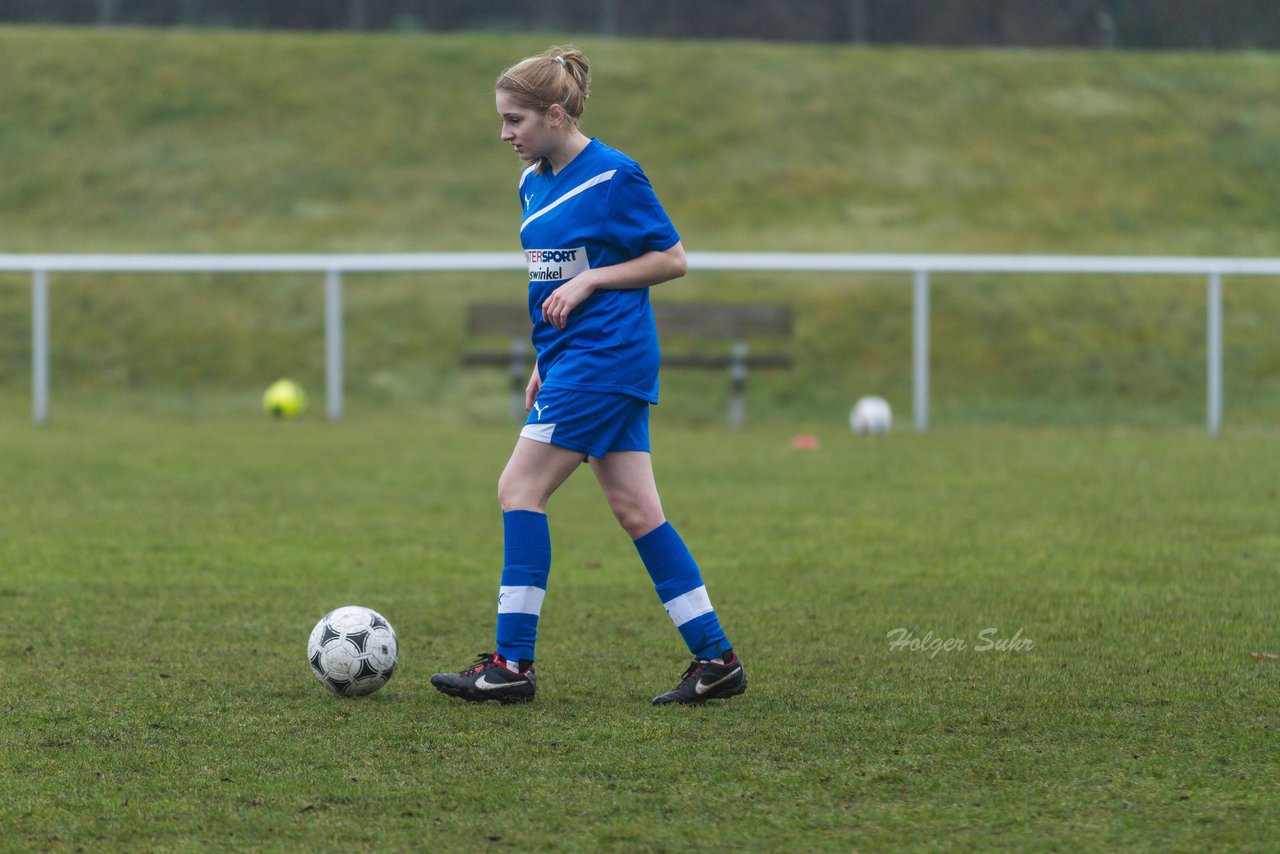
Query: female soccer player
[[596, 239]]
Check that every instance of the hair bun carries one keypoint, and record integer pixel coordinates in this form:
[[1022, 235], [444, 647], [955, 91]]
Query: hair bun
[[537, 83]]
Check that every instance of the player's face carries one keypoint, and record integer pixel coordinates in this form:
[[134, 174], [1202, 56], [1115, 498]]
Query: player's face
[[527, 131]]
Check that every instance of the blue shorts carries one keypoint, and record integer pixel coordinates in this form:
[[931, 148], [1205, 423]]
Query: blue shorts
[[589, 422]]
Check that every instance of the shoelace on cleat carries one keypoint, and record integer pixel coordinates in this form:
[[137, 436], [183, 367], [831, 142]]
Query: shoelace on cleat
[[484, 660], [697, 666], [694, 669]]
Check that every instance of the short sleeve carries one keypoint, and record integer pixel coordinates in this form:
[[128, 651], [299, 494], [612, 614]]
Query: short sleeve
[[637, 220]]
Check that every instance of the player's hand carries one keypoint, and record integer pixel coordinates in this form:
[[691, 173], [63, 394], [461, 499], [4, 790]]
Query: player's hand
[[532, 389], [564, 299]]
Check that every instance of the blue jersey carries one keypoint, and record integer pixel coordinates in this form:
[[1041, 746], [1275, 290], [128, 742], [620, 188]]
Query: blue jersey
[[600, 210]]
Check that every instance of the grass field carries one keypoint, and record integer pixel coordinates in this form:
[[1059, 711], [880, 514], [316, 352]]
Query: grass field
[[161, 574], [1030, 628]]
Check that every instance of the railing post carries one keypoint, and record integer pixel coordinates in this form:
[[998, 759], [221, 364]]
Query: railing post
[[39, 346], [333, 344], [920, 350], [1214, 355]]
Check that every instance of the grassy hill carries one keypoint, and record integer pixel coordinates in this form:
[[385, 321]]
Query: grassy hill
[[178, 141]]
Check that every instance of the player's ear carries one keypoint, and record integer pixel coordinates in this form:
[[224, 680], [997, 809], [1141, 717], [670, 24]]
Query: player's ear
[[556, 115]]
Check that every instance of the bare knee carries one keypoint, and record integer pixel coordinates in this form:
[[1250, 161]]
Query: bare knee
[[627, 481], [514, 494], [636, 518]]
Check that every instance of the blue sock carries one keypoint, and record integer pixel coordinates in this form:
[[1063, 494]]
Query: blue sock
[[525, 566], [679, 585]]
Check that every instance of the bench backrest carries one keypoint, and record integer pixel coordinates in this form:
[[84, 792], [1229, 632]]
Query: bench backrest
[[675, 319]]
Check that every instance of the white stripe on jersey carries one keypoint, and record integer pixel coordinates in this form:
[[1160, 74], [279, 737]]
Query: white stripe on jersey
[[525, 174], [685, 607], [583, 187]]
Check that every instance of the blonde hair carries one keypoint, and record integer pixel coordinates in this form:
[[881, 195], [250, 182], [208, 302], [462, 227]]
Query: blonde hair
[[560, 75]]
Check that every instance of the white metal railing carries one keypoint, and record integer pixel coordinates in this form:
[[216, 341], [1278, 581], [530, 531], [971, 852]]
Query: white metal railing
[[920, 266]]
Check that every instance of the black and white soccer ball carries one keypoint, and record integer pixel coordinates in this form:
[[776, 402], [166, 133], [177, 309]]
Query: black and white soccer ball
[[353, 651]]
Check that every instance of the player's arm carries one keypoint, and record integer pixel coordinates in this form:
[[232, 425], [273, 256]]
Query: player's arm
[[651, 268]]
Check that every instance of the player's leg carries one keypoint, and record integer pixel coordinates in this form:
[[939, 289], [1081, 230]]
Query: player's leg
[[627, 480], [533, 473]]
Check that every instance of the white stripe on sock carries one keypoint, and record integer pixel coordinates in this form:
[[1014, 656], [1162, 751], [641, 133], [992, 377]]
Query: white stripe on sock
[[685, 607], [520, 600]]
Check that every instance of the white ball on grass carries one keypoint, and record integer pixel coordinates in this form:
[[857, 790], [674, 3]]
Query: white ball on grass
[[871, 415]]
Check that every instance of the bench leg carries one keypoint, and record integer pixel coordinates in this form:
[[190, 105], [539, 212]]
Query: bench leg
[[517, 398], [738, 386], [521, 368]]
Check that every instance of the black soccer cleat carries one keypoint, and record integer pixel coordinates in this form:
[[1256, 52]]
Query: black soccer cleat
[[488, 679], [707, 680]]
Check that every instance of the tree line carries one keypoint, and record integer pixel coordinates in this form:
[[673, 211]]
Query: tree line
[[1154, 24]]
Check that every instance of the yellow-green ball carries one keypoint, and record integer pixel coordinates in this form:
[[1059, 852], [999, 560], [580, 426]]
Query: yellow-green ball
[[284, 399]]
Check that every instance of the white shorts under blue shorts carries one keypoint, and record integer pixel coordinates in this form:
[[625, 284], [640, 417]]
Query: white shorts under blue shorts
[[589, 422]]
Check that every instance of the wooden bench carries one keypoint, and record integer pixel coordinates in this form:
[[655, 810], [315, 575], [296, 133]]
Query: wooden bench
[[735, 324]]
